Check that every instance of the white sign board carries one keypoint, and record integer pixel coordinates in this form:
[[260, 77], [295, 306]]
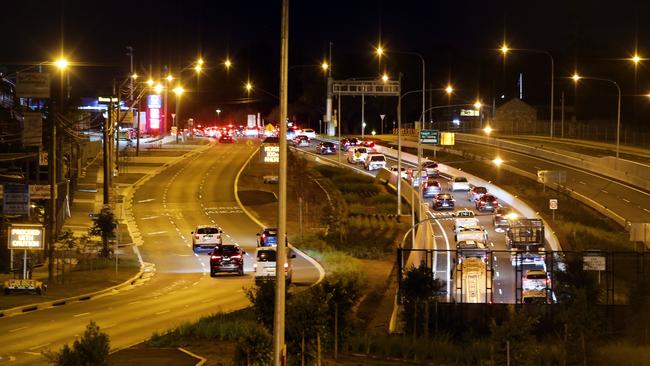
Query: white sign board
[[552, 204], [33, 131], [594, 263], [469, 113], [33, 85]]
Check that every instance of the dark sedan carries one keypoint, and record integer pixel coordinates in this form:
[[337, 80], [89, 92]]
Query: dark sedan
[[326, 148], [444, 201], [227, 258]]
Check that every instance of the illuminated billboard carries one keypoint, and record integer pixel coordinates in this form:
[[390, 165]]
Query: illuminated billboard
[[154, 117], [25, 237], [270, 153]]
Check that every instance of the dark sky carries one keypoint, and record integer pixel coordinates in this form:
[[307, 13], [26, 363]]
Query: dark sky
[[457, 38]]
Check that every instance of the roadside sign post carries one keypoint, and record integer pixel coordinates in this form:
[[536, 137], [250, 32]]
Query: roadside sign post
[[430, 137], [25, 237], [552, 203]]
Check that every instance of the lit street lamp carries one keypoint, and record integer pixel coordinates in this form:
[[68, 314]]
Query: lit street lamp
[[178, 90], [227, 64], [576, 78]]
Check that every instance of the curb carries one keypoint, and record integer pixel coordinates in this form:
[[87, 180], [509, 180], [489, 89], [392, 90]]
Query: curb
[[145, 268], [319, 268]]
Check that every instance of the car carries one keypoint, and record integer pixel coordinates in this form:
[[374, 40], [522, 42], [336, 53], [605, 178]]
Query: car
[[475, 193], [301, 141], [265, 262], [251, 132], [528, 259], [369, 144], [535, 279], [487, 202], [357, 155], [268, 237], [477, 233], [206, 237], [431, 187], [471, 249], [227, 258], [502, 218], [535, 297], [226, 139], [326, 148], [458, 184], [374, 161], [393, 169], [346, 143], [431, 167], [309, 133], [413, 177], [464, 218], [443, 201]]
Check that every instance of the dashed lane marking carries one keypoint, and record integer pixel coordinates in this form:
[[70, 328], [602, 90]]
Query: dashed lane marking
[[626, 200], [78, 315], [581, 182], [146, 200], [17, 329], [163, 312], [604, 191]]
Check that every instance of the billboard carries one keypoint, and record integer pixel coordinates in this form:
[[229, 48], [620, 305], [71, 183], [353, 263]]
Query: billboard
[[25, 236], [33, 85], [154, 115]]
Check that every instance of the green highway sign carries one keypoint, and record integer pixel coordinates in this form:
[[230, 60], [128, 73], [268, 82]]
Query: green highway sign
[[431, 137]]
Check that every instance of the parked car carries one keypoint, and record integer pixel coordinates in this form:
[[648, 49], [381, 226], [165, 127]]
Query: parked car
[[357, 155], [476, 192], [326, 148], [431, 187], [266, 258], [431, 167], [375, 161], [443, 201], [227, 258], [487, 202], [459, 184], [206, 237]]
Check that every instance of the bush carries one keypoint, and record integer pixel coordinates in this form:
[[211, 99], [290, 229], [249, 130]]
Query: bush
[[254, 348], [91, 349], [262, 297]]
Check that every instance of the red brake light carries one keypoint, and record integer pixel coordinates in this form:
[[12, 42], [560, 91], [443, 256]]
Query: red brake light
[[236, 256], [215, 257]]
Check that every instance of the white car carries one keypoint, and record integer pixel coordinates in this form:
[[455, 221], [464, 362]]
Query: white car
[[265, 262], [471, 249], [459, 184], [464, 218], [301, 141], [357, 155], [476, 233], [309, 133], [404, 174], [375, 161], [431, 167], [535, 279], [206, 237]]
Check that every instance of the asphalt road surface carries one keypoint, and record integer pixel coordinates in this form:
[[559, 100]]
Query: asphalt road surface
[[198, 190]]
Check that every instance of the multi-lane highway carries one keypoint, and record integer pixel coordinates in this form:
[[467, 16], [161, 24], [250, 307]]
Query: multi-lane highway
[[198, 190]]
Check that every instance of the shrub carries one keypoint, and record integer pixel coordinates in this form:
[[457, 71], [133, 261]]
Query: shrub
[[91, 349], [254, 348]]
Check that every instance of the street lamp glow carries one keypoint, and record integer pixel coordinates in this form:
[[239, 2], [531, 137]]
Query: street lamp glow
[[497, 161], [384, 78], [379, 51], [227, 63], [576, 77], [478, 104], [504, 49], [61, 63], [169, 78], [150, 82], [636, 59], [134, 76], [200, 62], [487, 130], [248, 86], [158, 88], [325, 66], [449, 89], [179, 90], [198, 68]]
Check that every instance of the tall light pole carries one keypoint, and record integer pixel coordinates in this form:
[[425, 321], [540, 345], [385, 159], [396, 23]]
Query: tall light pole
[[178, 90], [279, 351], [577, 78], [380, 51], [505, 49]]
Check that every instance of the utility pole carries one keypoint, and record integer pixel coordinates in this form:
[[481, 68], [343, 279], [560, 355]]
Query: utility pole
[[399, 149], [328, 104], [279, 350], [51, 162], [116, 127], [562, 121], [105, 152], [363, 115], [130, 54]]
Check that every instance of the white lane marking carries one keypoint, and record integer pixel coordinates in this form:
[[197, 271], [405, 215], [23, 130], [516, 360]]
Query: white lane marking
[[78, 315], [147, 200], [39, 346], [150, 217], [646, 210], [157, 232], [604, 191], [184, 255], [581, 182], [495, 258], [17, 329], [163, 312], [626, 200], [133, 302], [538, 168]]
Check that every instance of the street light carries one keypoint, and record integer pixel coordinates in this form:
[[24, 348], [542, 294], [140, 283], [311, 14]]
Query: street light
[[636, 59], [577, 78], [505, 49], [150, 82], [169, 78], [449, 89], [227, 64], [134, 76], [488, 130], [248, 86], [379, 50], [200, 61], [384, 78], [198, 68], [325, 66], [158, 88], [497, 161], [61, 63], [478, 105], [178, 90]]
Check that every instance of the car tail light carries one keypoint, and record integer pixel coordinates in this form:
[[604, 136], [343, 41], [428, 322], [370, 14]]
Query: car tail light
[[196, 236], [235, 256], [215, 257], [494, 202], [286, 265]]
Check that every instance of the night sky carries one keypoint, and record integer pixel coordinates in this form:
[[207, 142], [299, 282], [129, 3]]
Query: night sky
[[458, 39]]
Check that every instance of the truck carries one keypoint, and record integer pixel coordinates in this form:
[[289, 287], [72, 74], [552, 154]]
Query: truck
[[525, 239], [472, 281]]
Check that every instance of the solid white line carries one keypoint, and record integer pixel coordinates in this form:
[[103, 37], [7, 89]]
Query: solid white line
[[448, 256], [150, 217], [500, 293], [646, 210], [78, 315], [497, 272]]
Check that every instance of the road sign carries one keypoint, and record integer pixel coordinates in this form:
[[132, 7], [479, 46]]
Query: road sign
[[33, 85], [15, 199], [36, 192], [430, 137], [33, 131], [592, 262], [25, 236], [447, 138], [552, 204]]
